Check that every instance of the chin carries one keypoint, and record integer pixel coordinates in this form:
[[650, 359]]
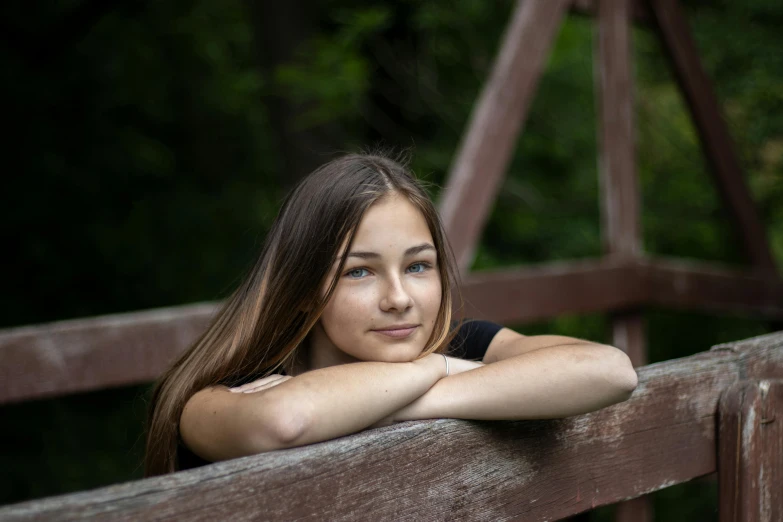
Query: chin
[[398, 353]]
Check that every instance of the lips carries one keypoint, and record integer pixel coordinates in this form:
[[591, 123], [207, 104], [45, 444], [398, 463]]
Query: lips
[[399, 331]]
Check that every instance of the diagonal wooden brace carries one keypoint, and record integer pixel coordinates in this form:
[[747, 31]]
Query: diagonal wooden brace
[[497, 118], [715, 138]]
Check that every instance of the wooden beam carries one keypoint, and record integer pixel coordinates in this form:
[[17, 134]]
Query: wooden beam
[[751, 452], [95, 353], [542, 292], [700, 286], [640, 11], [617, 158], [497, 118], [528, 470], [628, 334], [532, 293], [715, 138], [101, 352]]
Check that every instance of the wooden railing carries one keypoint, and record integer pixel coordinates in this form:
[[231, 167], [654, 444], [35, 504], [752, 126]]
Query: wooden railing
[[118, 350], [95, 353], [720, 410]]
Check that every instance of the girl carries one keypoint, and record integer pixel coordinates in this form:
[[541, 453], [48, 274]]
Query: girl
[[345, 323]]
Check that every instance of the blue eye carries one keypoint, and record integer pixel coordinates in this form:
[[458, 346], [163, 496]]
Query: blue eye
[[357, 273], [418, 268]]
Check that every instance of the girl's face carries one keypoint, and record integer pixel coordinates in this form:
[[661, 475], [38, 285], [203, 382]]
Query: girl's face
[[388, 295]]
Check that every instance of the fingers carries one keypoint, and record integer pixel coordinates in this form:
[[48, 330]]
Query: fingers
[[457, 365], [267, 385], [259, 382]]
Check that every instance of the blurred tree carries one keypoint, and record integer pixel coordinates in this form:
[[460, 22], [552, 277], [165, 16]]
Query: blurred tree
[[281, 31]]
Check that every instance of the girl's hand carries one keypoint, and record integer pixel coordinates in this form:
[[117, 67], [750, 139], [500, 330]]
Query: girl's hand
[[457, 365], [261, 384]]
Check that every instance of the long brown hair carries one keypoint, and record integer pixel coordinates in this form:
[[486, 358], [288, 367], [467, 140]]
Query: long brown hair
[[261, 325]]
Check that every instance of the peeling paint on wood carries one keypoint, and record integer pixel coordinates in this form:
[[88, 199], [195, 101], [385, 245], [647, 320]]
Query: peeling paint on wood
[[751, 451]]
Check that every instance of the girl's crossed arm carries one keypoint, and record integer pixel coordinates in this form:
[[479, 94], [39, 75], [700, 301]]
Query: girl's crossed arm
[[535, 377], [520, 378], [315, 406]]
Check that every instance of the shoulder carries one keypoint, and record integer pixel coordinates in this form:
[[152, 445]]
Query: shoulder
[[472, 338]]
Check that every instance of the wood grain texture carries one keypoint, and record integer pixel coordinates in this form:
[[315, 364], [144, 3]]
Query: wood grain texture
[[450, 469], [532, 293], [497, 117], [751, 451], [759, 357], [99, 352], [704, 286], [715, 138]]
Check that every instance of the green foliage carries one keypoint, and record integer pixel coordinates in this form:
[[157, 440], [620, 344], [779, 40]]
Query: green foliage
[[143, 163]]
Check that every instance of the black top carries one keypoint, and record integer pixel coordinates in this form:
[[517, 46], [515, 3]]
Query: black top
[[470, 342]]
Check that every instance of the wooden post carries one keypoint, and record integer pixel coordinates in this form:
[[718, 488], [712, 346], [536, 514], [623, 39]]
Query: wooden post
[[619, 187], [619, 190], [750, 452], [628, 334]]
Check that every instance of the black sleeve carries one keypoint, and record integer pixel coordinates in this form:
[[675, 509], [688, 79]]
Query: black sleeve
[[186, 459], [472, 339]]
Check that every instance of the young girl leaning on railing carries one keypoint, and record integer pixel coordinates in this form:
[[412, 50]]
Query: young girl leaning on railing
[[345, 323]]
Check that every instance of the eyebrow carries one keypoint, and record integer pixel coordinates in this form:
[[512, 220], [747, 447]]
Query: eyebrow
[[412, 251]]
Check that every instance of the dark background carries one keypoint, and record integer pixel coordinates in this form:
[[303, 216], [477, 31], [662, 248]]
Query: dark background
[[148, 146]]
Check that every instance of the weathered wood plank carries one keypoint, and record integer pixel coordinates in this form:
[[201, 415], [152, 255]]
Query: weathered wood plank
[[449, 469], [101, 352], [497, 118], [759, 357], [751, 452], [690, 285], [95, 353], [715, 138], [546, 291]]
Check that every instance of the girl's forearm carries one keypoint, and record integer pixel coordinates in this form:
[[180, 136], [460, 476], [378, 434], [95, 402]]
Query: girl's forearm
[[339, 400], [555, 382]]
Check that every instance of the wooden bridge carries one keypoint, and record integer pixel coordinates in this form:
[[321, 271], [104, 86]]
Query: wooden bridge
[[720, 410]]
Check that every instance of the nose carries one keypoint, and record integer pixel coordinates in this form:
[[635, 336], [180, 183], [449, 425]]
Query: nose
[[395, 298]]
